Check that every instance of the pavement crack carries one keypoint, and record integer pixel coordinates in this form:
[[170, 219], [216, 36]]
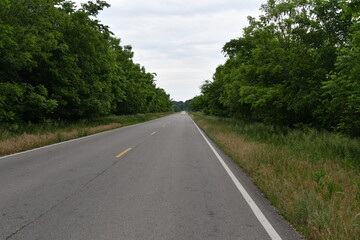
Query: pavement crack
[[80, 189], [38, 217]]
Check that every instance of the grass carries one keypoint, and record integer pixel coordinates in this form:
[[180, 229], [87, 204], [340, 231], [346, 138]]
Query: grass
[[16, 138], [312, 177]]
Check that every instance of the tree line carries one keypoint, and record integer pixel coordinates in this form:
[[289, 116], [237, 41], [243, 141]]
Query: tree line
[[59, 62], [181, 106], [298, 64]]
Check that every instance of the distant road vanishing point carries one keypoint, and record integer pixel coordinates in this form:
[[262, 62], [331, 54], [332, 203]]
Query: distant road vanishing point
[[163, 179]]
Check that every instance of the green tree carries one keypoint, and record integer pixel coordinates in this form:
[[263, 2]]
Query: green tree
[[58, 61], [342, 91]]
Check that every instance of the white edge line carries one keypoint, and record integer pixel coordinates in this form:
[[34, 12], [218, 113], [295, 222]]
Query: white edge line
[[75, 139], [256, 210]]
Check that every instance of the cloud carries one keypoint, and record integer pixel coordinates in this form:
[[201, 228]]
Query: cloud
[[179, 40], [184, 7]]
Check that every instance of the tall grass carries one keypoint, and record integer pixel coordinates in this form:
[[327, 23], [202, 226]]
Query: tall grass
[[16, 137], [312, 177]]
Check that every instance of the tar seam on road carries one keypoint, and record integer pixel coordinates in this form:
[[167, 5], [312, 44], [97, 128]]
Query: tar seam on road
[[127, 150], [80, 189], [256, 210]]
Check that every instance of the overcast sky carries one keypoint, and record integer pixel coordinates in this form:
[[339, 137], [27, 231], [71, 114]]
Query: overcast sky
[[181, 41]]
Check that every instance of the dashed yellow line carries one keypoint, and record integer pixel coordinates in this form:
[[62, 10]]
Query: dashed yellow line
[[127, 150], [153, 133]]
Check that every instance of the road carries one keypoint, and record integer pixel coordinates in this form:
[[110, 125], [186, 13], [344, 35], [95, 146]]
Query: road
[[155, 180]]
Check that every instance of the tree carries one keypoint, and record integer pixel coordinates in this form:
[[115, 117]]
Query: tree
[[295, 65], [60, 62]]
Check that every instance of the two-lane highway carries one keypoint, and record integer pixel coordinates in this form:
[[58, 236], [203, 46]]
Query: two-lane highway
[[156, 180]]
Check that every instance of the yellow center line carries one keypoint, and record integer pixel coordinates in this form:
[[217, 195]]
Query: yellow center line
[[153, 133], [127, 150]]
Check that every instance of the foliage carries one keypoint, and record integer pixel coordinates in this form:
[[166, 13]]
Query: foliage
[[181, 106], [59, 62], [297, 65]]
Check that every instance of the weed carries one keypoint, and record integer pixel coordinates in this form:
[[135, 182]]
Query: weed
[[318, 176], [357, 220]]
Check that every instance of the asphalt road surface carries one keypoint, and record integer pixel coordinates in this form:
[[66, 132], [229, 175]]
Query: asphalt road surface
[[155, 180]]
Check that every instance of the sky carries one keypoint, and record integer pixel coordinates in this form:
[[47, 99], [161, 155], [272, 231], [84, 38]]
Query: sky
[[180, 41]]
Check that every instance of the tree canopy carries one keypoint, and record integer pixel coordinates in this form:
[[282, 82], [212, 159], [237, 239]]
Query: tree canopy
[[59, 62], [297, 64], [181, 106]]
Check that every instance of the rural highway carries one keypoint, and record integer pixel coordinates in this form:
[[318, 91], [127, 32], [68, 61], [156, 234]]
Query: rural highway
[[156, 180]]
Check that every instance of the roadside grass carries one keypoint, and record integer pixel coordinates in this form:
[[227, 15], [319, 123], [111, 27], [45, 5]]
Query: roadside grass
[[16, 138], [312, 177]]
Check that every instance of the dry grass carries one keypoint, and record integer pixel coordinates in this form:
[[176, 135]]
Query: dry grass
[[27, 137], [320, 198], [28, 141]]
